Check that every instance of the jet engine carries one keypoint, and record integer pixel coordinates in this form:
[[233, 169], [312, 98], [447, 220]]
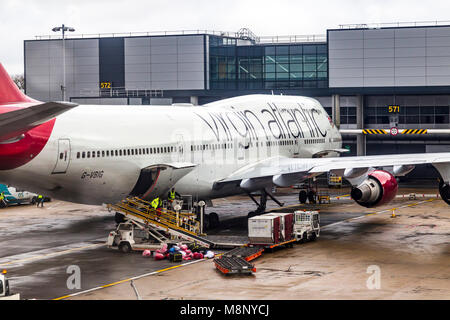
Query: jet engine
[[444, 190], [379, 188]]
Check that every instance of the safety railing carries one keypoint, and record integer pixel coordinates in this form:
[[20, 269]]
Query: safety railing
[[162, 217], [293, 39], [115, 92], [394, 24], [243, 33], [140, 34]]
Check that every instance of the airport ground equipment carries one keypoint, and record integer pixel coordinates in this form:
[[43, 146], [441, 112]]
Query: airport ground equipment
[[264, 229], [267, 232], [173, 225], [279, 228], [334, 181], [247, 253], [237, 261], [306, 225], [135, 236], [15, 196], [5, 293], [233, 265], [323, 197], [286, 225]]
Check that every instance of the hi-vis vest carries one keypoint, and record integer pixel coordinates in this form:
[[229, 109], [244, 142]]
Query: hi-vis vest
[[2, 196], [155, 203], [40, 196], [171, 195]]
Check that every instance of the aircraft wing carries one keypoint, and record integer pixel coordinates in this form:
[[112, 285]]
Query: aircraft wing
[[288, 171], [21, 120]]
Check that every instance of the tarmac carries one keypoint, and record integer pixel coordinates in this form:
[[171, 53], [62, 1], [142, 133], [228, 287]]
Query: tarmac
[[361, 254]]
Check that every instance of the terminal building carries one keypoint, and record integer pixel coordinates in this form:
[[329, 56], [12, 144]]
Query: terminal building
[[366, 77]]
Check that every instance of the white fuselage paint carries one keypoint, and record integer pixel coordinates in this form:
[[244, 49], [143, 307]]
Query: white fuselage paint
[[269, 126]]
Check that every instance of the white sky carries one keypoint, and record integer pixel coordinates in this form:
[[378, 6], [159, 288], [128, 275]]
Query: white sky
[[23, 19]]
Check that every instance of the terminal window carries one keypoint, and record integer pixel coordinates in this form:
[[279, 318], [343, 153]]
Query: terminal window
[[268, 66], [431, 111]]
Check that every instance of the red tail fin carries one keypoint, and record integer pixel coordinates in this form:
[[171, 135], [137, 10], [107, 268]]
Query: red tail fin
[[9, 93]]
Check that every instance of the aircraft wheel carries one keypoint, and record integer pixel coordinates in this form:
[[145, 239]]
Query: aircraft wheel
[[33, 200], [302, 197], [213, 220], [125, 247], [313, 237], [312, 197], [444, 190], [206, 222], [305, 237]]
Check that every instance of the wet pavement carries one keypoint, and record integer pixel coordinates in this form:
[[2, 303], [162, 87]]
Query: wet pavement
[[39, 245]]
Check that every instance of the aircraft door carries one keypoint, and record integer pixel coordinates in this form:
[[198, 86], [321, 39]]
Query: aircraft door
[[297, 147], [181, 149], [243, 149], [63, 156]]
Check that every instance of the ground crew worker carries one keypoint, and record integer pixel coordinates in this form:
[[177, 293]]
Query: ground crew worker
[[2, 200], [156, 204], [40, 200], [172, 195]]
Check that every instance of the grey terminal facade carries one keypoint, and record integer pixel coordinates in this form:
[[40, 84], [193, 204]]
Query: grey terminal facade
[[366, 77]]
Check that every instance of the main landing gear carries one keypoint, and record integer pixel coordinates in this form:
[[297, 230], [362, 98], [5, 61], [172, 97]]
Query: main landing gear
[[307, 195], [262, 203], [308, 192]]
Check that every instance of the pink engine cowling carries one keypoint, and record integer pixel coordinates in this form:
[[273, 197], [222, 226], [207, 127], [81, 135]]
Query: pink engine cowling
[[379, 188]]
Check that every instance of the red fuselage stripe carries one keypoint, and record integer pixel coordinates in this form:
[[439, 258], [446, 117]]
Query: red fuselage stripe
[[16, 154]]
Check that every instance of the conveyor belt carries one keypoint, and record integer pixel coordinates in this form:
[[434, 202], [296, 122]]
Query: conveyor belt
[[138, 209]]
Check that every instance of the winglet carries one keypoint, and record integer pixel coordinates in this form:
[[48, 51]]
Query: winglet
[[9, 92]]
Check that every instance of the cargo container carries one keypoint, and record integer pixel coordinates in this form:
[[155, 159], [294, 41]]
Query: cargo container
[[286, 225], [264, 229]]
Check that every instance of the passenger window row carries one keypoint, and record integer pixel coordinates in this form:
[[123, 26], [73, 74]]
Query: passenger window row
[[224, 146], [126, 152], [168, 149], [214, 146], [282, 143], [314, 141]]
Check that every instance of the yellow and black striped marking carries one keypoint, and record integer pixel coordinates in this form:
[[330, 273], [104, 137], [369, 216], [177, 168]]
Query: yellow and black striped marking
[[415, 131], [374, 131]]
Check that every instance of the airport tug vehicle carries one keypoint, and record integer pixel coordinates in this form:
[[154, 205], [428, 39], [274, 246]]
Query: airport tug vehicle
[[5, 293], [306, 225]]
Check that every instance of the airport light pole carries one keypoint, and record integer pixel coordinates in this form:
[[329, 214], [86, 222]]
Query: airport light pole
[[63, 29]]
